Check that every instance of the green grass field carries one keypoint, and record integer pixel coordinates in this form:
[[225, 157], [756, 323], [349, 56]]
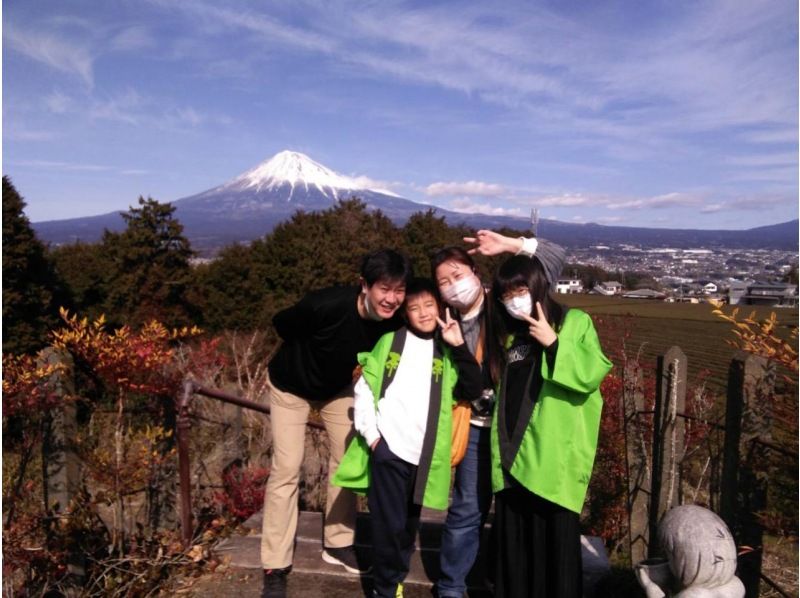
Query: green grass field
[[656, 326]]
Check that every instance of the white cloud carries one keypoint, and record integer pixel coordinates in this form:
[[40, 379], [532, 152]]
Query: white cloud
[[565, 200], [70, 57], [18, 132], [765, 159], [364, 182], [468, 206], [471, 188], [58, 102], [668, 200], [56, 165], [782, 135], [132, 39]]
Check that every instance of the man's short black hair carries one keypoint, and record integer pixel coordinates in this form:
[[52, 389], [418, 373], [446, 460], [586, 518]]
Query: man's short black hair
[[451, 254], [385, 264]]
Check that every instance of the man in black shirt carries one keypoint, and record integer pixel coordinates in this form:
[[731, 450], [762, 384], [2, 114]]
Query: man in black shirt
[[322, 334]]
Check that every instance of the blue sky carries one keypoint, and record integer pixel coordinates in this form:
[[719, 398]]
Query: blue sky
[[648, 113]]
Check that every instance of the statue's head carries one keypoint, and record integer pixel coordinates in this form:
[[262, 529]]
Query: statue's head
[[699, 547]]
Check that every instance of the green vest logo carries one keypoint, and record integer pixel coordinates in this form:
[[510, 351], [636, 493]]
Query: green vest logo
[[437, 368], [392, 361]]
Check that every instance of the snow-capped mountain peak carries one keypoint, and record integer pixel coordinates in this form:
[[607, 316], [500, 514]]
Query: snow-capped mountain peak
[[298, 170]]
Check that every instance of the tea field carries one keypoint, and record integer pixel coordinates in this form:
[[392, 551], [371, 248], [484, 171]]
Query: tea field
[[655, 326]]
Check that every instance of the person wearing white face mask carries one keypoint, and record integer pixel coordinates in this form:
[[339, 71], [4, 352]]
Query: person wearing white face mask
[[549, 365], [454, 272]]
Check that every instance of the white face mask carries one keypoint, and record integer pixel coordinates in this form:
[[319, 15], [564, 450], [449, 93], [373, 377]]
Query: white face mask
[[519, 306], [463, 293]]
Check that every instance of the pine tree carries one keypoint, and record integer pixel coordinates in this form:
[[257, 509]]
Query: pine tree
[[30, 287], [150, 274], [83, 269], [425, 233], [246, 286]]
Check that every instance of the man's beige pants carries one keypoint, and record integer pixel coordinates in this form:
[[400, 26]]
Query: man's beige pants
[[289, 414]]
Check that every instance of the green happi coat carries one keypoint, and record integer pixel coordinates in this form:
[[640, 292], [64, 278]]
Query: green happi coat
[[433, 474], [554, 457]]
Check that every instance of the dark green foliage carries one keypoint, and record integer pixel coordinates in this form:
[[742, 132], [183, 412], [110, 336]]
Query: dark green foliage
[[424, 234], [640, 280], [84, 268], [149, 275], [30, 287], [246, 286], [231, 290]]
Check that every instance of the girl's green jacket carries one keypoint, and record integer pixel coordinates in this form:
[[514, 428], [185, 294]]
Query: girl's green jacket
[[433, 475], [554, 456]]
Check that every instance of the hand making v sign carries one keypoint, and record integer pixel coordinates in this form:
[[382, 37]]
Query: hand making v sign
[[451, 331], [540, 328]]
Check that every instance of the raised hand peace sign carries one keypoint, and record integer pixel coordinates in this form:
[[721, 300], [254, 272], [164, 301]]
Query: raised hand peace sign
[[540, 329], [488, 242], [451, 331]]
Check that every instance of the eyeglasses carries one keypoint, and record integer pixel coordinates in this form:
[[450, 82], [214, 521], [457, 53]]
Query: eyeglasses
[[511, 293]]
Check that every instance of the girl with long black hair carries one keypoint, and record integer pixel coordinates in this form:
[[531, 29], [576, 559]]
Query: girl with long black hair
[[549, 364]]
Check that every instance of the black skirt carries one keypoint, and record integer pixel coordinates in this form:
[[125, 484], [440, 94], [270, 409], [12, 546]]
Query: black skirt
[[536, 547]]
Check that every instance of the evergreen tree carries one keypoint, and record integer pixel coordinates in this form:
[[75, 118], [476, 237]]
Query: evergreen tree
[[245, 287], [426, 233], [150, 274], [30, 287], [83, 268]]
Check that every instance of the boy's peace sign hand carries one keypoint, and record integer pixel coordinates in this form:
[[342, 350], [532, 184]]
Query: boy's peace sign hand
[[451, 331], [540, 329]]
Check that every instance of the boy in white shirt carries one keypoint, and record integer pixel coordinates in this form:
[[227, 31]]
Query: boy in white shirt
[[403, 414]]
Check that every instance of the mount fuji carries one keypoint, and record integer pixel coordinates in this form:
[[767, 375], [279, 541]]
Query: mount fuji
[[289, 181], [252, 204]]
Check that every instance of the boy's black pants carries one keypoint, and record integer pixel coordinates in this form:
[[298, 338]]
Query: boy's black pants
[[394, 518]]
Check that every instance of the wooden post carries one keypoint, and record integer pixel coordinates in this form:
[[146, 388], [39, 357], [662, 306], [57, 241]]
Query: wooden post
[[637, 461], [62, 467], [748, 417], [183, 426], [668, 438]]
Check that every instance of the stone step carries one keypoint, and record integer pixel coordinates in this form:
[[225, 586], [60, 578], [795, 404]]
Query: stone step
[[244, 551]]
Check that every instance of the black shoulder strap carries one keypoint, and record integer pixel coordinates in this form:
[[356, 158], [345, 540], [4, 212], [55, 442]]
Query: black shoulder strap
[[393, 359]]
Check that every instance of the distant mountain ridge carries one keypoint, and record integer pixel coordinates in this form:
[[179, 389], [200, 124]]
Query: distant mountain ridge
[[250, 205]]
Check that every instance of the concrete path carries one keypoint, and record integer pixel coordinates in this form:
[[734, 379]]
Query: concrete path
[[244, 553]]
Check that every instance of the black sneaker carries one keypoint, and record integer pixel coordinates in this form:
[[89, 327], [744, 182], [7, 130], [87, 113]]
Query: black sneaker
[[345, 557], [275, 583]]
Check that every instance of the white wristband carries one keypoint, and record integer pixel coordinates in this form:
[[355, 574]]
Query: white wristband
[[529, 245]]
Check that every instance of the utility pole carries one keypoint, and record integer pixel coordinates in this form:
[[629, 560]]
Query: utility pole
[[534, 220]]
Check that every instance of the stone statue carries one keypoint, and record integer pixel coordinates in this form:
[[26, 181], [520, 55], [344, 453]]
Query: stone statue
[[700, 558]]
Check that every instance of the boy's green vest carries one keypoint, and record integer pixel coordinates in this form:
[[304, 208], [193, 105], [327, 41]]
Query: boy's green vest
[[555, 456], [432, 487]]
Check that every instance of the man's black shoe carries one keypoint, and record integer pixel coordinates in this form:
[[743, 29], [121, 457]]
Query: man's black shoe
[[275, 583]]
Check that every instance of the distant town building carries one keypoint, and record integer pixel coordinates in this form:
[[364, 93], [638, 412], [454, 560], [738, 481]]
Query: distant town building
[[709, 288], [778, 294], [644, 294], [736, 291], [568, 286], [610, 287]]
